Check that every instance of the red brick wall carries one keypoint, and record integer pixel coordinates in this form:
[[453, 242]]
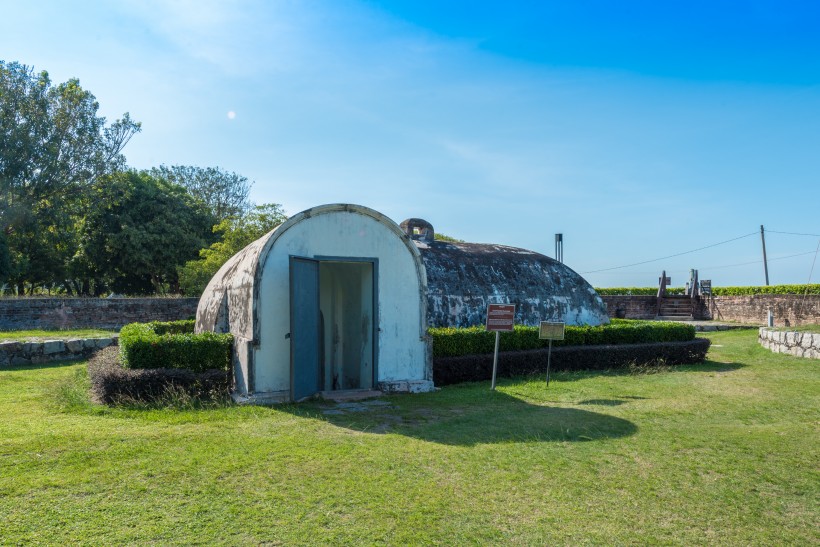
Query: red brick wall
[[795, 309], [104, 313], [631, 307], [743, 309]]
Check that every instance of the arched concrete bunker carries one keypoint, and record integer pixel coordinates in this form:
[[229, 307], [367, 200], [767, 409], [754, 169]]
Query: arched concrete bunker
[[333, 299], [339, 298]]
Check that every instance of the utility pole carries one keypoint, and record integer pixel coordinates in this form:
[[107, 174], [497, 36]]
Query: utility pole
[[765, 262]]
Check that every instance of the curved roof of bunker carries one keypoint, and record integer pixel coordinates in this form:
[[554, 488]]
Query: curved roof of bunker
[[228, 302], [462, 278]]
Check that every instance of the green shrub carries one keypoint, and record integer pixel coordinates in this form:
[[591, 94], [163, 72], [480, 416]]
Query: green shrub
[[638, 291], [184, 326], [166, 387], [717, 291], [451, 342], [770, 289], [173, 345], [642, 357]]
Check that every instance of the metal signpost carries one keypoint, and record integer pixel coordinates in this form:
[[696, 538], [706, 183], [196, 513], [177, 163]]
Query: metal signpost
[[550, 330], [500, 318]]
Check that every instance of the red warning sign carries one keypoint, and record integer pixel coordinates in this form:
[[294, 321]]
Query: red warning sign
[[500, 317]]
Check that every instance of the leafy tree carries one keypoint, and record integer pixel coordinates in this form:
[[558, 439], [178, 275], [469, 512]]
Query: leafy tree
[[53, 149], [237, 233], [224, 192], [5, 261], [444, 237], [141, 230]]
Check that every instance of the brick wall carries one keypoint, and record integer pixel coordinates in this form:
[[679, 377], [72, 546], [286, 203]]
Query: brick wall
[[103, 313], [788, 309], [631, 307]]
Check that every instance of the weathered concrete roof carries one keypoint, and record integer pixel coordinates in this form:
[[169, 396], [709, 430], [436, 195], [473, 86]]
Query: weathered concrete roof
[[462, 278]]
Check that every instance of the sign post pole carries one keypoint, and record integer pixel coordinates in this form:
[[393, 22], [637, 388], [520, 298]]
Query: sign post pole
[[550, 330], [500, 318], [495, 358], [549, 357]]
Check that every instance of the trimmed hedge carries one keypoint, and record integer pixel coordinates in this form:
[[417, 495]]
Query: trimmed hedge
[[173, 345], [112, 384], [475, 368], [813, 288], [453, 342], [638, 291]]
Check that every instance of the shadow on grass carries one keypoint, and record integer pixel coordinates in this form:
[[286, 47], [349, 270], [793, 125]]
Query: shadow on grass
[[706, 366], [477, 418], [40, 366]]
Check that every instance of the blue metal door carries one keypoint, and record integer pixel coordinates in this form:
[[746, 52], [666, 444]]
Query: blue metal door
[[304, 327]]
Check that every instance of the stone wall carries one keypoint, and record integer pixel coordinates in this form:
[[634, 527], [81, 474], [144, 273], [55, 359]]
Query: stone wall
[[788, 309], [100, 313], [799, 344], [34, 353], [631, 307]]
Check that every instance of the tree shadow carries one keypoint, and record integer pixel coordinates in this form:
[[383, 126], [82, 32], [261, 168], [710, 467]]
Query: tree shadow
[[707, 366], [39, 366], [479, 418]]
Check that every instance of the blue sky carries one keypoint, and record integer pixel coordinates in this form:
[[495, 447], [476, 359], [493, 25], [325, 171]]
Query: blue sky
[[637, 129]]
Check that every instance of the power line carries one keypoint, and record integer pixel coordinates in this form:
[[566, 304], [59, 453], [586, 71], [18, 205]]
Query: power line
[[791, 233], [753, 262], [671, 256]]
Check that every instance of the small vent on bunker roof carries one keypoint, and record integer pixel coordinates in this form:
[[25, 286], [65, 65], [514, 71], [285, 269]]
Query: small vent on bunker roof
[[418, 228]]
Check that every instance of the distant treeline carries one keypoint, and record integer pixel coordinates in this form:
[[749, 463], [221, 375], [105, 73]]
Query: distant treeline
[[76, 220]]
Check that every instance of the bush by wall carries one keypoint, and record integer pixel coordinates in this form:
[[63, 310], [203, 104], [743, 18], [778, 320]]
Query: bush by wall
[[813, 288], [637, 291], [173, 345], [112, 384], [474, 368], [452, 342]]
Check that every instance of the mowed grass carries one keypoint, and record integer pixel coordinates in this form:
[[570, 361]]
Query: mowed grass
[[723, 452], [39, 335]]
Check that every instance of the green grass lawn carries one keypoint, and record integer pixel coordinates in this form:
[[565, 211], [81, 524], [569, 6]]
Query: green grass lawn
[[39, 335], [724, 452]]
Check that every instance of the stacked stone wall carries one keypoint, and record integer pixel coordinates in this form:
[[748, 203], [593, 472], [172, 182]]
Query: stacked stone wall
[[631, 307], [34, 353], [788, 309], [799, 344], [99, 313]]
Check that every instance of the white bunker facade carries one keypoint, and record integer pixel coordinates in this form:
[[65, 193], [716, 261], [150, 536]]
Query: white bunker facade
[[339, 298]]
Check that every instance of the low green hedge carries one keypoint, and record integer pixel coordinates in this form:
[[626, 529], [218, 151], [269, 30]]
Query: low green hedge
[[638, 291], [173, 345], [477, 368], [185, 326], [813, 288], [452, 342], [113, 384]]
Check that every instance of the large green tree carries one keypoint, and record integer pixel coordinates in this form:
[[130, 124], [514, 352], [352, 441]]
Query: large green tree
[[224, 192], [236, 233], [140, 231], [53, 149]]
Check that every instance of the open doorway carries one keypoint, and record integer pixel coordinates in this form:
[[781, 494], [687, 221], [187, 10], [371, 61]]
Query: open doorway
[[333, 325], [347, 339]]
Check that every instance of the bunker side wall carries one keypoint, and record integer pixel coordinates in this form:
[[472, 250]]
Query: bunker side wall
[[99, 313]]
